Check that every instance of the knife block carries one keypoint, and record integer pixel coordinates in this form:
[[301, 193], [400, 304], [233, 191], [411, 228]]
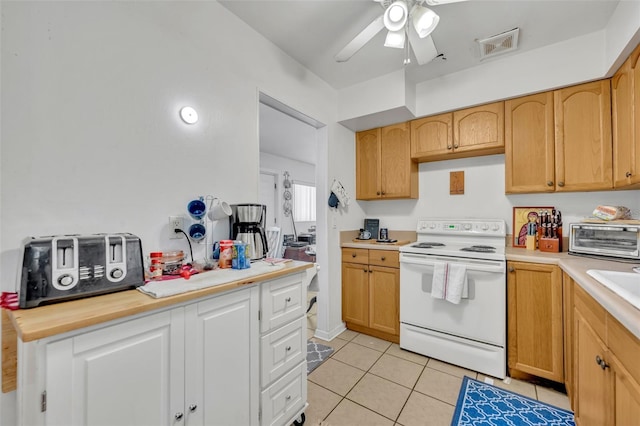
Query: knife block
[[553, 245]]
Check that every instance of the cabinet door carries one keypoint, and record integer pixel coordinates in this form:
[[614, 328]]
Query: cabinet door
[[635, 147], [622, 124], [384, 299], [592, 383], [222, 372], [529, 144], [355, 294], [398, 174], [626, 391], [368, 165], [130, 373], [583, 137], [431, 136], [534, 293], [481, 127]]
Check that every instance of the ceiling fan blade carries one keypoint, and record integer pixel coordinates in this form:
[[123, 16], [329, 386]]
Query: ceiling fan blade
[[423, 48], [439, 2], [360, 40]]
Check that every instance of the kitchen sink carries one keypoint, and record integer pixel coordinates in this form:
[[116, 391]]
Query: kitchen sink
[[624, 284]]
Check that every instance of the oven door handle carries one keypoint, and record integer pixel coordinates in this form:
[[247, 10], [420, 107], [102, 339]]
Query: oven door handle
[[471, 265]]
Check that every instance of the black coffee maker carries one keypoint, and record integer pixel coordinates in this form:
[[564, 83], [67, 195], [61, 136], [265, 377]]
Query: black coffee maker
[[247, 223]]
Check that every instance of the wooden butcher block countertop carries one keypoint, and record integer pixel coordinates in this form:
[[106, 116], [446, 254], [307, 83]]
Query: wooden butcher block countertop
[[49, 320]]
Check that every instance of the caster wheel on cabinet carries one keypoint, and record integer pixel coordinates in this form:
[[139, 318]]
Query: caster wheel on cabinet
[[301, 422]]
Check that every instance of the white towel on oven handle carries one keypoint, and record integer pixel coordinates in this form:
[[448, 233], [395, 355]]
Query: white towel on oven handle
[[449, 282]]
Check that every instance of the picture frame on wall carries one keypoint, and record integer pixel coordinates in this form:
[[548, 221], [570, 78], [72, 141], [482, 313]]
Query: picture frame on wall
[[521, 217]]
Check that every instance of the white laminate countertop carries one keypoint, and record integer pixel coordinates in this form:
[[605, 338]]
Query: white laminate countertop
[[577, 267]]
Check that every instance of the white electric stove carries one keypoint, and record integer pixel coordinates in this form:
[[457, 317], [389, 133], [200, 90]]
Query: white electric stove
[[471, 334]]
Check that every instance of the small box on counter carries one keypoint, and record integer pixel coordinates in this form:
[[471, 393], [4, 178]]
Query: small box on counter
[[553, 245]]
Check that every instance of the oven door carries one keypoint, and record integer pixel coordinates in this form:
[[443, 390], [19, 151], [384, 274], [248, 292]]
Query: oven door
[[481, 316]]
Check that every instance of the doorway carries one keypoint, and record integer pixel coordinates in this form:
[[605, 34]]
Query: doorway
[[289, 148]]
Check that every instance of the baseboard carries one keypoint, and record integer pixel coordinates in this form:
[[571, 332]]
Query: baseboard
[[328, 336]]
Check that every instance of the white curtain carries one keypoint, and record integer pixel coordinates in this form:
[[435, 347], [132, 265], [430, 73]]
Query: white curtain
[[304, 202]]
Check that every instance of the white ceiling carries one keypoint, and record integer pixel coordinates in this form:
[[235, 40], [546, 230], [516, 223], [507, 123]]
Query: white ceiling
[[313, 31]]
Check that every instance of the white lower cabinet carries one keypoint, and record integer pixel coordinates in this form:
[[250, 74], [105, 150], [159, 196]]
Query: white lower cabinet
[[196, 364], [283, 350]]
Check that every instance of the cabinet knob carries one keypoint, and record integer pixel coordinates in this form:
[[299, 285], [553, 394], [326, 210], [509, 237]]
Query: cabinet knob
[[455, 146], [178, 416], [449, 147], [288, 348], [383, 258], [628, 174], [378, 193], [549, 183], [364, 270], [601, 362], [193, 407], [370, 271], [561, 184], [353, 255], [288, 299], [383, 193], [511, 269], [288, 397]]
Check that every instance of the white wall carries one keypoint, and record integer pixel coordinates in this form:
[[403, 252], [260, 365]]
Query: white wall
[[484, 197], [91, 140]]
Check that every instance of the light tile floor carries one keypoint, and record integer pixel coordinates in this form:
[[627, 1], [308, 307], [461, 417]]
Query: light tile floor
[[368, 381]]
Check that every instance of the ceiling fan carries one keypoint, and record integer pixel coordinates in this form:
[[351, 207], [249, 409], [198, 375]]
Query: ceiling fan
[[403, 19]]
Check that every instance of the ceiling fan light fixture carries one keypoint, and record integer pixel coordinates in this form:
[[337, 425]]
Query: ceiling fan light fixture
[[424, 20], [395, 39], [395, 17]]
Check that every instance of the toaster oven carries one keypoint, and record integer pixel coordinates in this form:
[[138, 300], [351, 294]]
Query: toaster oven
[[605, 239]]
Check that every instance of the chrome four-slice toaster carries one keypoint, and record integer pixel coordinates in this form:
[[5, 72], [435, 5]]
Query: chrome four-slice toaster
[[65, 267]]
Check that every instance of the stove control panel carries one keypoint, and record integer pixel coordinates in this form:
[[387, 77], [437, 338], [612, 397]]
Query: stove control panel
[[494, 227]]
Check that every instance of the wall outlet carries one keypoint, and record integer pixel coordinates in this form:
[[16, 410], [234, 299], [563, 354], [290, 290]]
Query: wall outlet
[[176, 222]]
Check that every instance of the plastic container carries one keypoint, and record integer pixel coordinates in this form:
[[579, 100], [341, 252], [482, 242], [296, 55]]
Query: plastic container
[[239, 259], [169, 263], [226, 254]]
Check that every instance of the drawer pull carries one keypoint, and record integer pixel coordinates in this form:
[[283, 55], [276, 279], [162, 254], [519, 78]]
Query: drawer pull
[[383, 258], [288, 348], [288, 397], [288, 299], [601, 362], [353, 255]]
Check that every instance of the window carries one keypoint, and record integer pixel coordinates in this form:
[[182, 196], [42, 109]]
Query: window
[[304, 202]]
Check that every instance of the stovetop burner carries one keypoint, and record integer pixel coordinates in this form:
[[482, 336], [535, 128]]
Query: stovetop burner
[[427, 244], [480, 249]]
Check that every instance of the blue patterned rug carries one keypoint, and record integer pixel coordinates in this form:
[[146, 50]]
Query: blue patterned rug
[[481, 404], [317, 353]]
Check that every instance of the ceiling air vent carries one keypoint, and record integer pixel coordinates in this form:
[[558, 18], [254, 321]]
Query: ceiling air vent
[[499, 43]]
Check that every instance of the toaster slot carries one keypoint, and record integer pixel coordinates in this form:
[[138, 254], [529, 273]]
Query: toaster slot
[[64, 265], [116, 250]]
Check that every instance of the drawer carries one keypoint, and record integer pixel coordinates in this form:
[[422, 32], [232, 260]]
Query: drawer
[[282, 349], [285, 398], [281, 301], [355, 255], [389, 258]]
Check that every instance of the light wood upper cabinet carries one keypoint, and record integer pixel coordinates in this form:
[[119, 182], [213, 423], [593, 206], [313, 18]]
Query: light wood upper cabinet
[[625, 99], [368, 164], [583, 137], [479, 128], [529, 144], [535, 329], [431, 136], [383, 164], [464, 133]]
